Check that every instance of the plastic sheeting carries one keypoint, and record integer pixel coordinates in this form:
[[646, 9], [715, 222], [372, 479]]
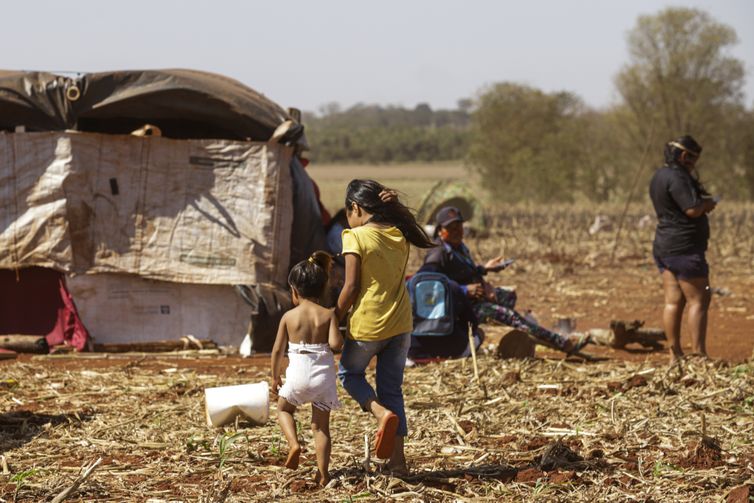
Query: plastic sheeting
[[119, 307], [188, 211], [182, 103]]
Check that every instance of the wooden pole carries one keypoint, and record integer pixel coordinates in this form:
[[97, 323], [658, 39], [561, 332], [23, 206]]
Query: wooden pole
[[156, 346], [24, 343], [639, 171]]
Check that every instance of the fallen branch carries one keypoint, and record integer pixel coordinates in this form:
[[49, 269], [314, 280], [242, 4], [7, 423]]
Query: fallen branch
[[182, 344], [76, 483]]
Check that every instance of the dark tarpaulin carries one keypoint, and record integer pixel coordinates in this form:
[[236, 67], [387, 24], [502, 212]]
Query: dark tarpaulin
[[182, 103], [308, 233]]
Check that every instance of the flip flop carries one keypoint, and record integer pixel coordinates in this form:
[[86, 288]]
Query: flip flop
[[384, 440]]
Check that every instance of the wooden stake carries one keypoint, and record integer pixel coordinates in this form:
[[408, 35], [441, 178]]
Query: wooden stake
[[472, 346], [367, 453], [639, 170]]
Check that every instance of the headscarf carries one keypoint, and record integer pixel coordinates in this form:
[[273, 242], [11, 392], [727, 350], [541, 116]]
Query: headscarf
[[685, 143]]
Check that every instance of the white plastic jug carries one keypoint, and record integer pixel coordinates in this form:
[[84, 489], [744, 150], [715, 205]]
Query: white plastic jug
[[224, 403]]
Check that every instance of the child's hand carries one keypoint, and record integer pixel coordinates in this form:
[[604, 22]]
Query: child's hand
[[277, 383]]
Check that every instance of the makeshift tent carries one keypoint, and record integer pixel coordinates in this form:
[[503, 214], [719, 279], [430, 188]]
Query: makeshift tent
[[444, 193], [153, 232]]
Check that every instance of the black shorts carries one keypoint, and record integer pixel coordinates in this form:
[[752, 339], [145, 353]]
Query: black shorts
[[689, 266]]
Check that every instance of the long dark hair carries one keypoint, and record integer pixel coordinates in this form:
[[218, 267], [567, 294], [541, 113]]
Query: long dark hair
[[309, 277], [366, 193]]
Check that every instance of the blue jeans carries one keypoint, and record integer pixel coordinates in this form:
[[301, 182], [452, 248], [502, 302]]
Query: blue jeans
[[391, 360]]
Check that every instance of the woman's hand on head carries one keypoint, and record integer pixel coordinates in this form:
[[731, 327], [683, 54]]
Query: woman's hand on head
[[388, 196]]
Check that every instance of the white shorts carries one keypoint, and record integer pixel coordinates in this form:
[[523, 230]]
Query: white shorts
[[310, 377]]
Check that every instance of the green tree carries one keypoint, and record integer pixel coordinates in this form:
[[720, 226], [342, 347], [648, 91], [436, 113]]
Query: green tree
[[526, 143], [679, 76], [727, 163], [681, 79], [603, 173], [375, 134]]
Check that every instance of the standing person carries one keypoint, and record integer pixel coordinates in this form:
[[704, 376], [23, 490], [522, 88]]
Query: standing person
[[376, 251], [311, 333], [681, 204], [452, 258]]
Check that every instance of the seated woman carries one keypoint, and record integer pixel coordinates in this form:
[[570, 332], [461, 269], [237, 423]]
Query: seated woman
[[453, 259]]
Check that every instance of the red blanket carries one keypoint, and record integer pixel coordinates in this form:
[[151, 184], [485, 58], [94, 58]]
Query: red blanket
[[36, 301]]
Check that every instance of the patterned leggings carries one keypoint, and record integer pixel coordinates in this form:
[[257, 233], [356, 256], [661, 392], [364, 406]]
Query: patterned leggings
[[502, 312]]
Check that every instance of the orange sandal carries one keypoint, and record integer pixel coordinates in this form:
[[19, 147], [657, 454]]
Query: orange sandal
[[384, 441]]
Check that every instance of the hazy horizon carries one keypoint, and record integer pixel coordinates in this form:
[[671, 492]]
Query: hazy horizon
[[308, 55]]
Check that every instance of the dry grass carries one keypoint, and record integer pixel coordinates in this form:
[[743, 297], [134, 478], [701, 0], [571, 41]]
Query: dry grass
[[641, 433], [554, 233]]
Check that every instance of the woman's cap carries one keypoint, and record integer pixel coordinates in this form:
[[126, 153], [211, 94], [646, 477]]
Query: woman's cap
[[448, 215]]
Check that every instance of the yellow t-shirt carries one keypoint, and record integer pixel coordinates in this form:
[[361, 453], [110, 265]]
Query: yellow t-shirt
[[383, 308]]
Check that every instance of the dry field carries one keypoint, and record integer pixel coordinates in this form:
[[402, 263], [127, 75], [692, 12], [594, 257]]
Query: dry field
[[412, 180], [628, 431], [563, 271], [625, 428]]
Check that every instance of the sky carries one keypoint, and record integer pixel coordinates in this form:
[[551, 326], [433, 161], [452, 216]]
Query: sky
[[307, 54]]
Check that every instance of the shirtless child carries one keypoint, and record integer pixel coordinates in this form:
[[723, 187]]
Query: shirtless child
[[311, 333]]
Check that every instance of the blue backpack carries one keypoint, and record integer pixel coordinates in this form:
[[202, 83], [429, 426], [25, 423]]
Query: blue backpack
[[431, 304]]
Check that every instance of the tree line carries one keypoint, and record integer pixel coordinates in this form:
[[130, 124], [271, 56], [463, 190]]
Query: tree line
[[539, 146], [375, 134]]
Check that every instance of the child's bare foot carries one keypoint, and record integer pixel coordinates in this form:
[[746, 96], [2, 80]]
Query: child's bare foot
[[293, 455], [322, 480]]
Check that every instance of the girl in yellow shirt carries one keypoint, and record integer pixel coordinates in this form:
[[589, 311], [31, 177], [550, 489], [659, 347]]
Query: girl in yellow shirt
[[376, 253]]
